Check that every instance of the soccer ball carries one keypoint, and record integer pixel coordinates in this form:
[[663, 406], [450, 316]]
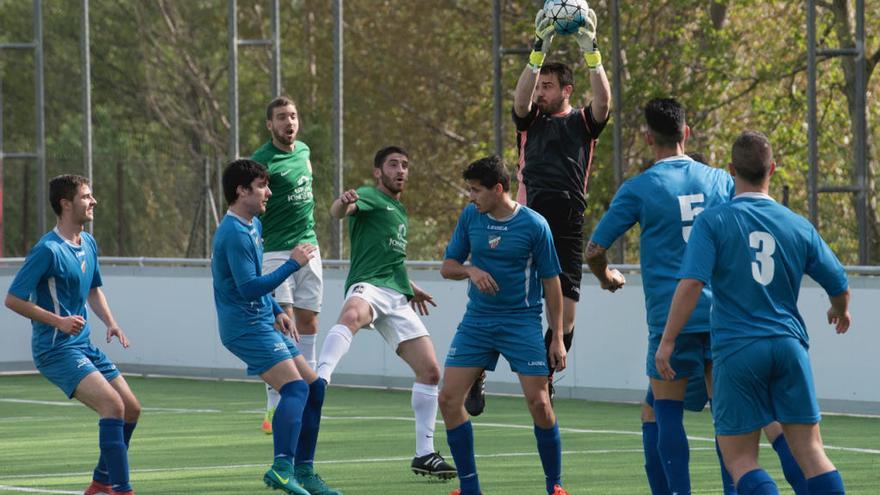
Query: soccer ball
[[567, 15]]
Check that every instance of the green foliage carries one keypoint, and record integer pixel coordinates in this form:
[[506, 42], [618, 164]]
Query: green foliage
[[416, 74]]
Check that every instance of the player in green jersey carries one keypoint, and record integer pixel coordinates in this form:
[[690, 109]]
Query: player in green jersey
[[379, 295], [288, 221]]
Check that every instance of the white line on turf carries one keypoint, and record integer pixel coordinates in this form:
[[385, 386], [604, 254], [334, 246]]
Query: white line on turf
[[333, 461], [77, 404], [35, 490]]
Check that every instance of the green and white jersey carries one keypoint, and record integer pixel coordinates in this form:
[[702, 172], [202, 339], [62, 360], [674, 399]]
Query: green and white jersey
[[289, 219], [378, 242]]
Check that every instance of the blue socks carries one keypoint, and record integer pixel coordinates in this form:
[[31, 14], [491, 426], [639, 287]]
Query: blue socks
[[114, 453], [287, 420], [673, 444], [101, 474], [461, 443], [756, 482], [653, 464], [829, 483], [550, 451], [311, 423], [790, 468]]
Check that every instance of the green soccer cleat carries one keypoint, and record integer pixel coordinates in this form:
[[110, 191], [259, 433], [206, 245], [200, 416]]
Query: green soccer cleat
[[280, 477], [308, 479]]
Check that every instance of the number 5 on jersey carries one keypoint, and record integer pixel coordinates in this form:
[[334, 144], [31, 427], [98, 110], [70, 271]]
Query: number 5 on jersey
[[689, 212]]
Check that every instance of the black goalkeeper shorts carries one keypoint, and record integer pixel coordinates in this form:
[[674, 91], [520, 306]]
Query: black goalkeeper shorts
[[566, 219]]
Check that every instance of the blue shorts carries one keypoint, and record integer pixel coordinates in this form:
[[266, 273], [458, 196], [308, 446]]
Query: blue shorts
[[695, 397], [262, 349], [692, 351], [769, 379], [477, 344], [67, 366]]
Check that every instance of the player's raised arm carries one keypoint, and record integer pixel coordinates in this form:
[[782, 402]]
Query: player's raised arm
[[586, 39], [525, 86], [344, 205]]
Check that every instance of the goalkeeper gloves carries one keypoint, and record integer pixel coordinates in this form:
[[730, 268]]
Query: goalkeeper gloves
[[544, 31], [586, 39]]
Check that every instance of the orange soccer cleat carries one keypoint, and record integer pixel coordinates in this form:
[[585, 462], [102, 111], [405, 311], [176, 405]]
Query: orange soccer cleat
[[98, 488], [558, 490]]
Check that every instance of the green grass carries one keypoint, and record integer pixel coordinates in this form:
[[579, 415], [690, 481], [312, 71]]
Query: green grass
[[365, 446]]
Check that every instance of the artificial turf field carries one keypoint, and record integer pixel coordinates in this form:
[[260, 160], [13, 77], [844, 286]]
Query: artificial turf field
[[203, 437]]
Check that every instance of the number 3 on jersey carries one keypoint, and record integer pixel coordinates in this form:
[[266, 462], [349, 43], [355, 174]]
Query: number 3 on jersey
[[689, 212], [763, 267]]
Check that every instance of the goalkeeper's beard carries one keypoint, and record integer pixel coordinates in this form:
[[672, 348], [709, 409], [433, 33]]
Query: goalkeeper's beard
[[550, 108]]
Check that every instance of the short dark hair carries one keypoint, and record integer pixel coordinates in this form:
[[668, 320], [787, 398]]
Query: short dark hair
[[64, 187], [752, 157], [241, 173], [666, 121], [488, 171], [281, 101], [382, 154], [562, 71], [698, 157]]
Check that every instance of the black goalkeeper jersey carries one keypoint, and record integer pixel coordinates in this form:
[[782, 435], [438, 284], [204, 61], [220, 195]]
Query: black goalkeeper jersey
[[555, 153]]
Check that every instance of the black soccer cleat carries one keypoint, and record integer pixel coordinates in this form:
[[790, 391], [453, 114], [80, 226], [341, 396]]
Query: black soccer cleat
[[475, 402], [551, 389], [433, 465]]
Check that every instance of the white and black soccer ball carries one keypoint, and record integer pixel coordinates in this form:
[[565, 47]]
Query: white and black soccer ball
[[567, 15]]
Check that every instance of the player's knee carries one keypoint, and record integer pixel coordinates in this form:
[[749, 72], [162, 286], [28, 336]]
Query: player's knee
[[429, 376], [648, 414], [540, 406], [132, 411], [112, 407], [449, 403]]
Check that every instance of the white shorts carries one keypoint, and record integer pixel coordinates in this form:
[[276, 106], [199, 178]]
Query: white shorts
[[304, 289], [393, 317]]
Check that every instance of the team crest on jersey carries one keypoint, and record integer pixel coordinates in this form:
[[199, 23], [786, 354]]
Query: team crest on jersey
[[357, 289], [83, 266], [494, 241]]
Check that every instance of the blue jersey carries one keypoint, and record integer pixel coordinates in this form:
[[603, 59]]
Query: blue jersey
[[665, 200], [238, 259], [57, 276], [517, 252], [754, 252]]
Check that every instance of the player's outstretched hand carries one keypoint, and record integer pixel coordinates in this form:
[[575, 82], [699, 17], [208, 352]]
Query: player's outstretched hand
[[72, 325], [303, 253], [556, 354], [661, 360], [840, 320], [615, 281], [348, 197], [421, 299], [285, 325], [484, 282], [119, 334]]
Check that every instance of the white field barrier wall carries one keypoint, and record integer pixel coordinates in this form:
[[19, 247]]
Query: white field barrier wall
[[166, 307]]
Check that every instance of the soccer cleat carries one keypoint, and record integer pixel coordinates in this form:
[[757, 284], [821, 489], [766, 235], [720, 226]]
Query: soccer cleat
[[98, 488], [457, 491], [558, 490], [280, 477], [129, 492], [475, 402], [433, 465], [267, 421], [308, 479], [551, 389]]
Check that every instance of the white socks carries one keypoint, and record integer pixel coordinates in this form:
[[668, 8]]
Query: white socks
[[272, 398], [335, 346], [306, 346], [424, 404]]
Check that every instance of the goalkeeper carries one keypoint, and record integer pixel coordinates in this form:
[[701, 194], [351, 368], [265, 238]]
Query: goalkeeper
[[555, 143]]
